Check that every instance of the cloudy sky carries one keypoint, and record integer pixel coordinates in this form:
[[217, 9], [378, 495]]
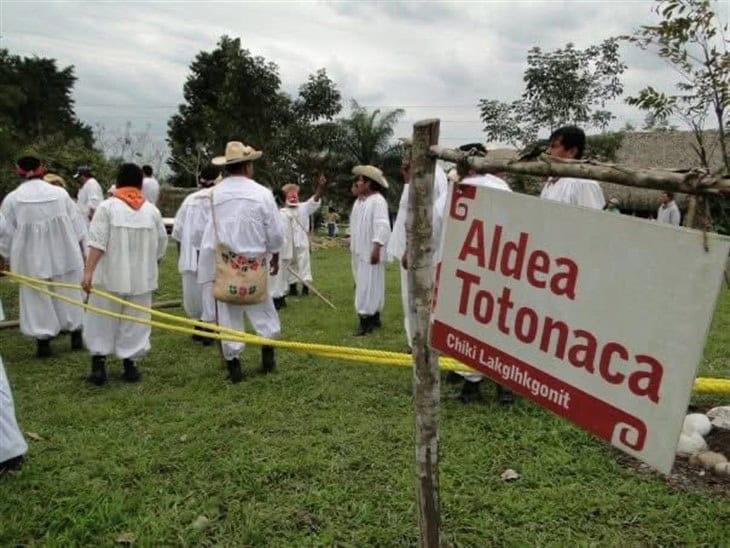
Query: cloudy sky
[[435, 59]]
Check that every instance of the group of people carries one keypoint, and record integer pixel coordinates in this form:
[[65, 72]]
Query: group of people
[[116, 244]]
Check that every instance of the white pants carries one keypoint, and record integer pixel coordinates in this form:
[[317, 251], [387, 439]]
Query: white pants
[[198, 299], [12, 443], [404, 301], [279, 284], [301, 264], [44, 317], [263, 318], [369, 288], [104, 336]]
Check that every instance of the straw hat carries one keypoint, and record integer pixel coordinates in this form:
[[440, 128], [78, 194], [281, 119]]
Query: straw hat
[[371, 172], [237, 152], [54, 180]]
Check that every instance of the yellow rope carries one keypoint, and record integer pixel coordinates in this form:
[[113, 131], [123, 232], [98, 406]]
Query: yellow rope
[[702, 385]]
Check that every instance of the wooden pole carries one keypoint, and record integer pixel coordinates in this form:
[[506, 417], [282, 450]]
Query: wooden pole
[[426, 389], [693, 181], [310, 286]]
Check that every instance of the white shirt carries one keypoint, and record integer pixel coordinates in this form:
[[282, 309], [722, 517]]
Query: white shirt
[[369, 224], [246, 221], [40, 230], [669, 214], [12, 443], [190, 222], [133, 241], [287, 219], [151, 190], [397, 240], [581, 192], [89, 197], [297, 221]]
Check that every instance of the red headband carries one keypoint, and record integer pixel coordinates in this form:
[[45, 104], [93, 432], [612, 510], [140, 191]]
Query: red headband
[[38, 172]]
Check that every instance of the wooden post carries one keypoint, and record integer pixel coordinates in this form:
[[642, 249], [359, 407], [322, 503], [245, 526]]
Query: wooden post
[[426, 389]]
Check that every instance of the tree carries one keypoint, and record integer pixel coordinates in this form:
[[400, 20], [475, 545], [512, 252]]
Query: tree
[[692, 40], [564, 86], [231, 94]]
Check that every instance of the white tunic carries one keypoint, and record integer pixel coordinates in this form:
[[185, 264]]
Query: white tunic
[[12, 443], [151, 190], [580, 192], [89, 197], [40, 230], [669, 214], [247, 222], [134, 241], [190, 222], [369, 224]]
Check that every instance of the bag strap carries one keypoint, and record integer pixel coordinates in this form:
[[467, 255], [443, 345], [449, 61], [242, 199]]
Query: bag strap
[[212, 213]]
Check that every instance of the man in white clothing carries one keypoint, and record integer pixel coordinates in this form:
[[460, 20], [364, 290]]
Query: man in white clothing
[[190, 222], [246, 220], [90, 194], [127, 240], [296, 215], [41, 233], [150, 186], [12, 443], [568, 143], [668, 211], [370, 230]]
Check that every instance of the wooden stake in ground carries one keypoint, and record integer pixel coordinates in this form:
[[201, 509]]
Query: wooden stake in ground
[[426, 389]]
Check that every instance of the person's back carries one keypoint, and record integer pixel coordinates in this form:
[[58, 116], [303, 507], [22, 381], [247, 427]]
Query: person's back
[[151, 190], [189, 227]]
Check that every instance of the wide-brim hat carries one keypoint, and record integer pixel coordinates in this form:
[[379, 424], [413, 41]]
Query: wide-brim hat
[[54, 179], [372, 173], [237, 152]]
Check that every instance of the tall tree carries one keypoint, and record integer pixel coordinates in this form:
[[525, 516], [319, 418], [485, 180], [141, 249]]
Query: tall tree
[[231, 94], [367, 134], [692, 39], [567, 85]]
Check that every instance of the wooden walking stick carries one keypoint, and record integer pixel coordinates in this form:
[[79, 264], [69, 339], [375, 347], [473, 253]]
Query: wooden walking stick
[[311, 287]]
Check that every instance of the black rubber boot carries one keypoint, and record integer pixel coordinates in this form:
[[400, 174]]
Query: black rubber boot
[[268, 363], [305, 291], [293, 290], [376, 320], [279, 303], [131, 373], [11, 465], [452, 377], [362, 328], [77, 340], [98, 371], [470, 391], [234, 370], [505, 395], [205, 341], [44, 348]]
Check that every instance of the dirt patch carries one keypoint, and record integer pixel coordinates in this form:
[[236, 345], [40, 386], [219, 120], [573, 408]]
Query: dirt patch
[[685, 477]]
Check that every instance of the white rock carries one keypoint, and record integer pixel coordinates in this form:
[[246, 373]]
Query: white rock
[[720, 416], [691, 444], [696, 422], [707, 459], [509, 475], [722, 468]]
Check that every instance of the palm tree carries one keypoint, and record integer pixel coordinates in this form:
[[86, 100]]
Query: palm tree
[[367, 134]]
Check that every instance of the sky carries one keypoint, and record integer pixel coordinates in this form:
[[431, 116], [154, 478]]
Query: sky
[[434, 59]]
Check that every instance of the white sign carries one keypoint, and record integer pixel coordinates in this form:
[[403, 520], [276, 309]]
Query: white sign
[[601, 318]]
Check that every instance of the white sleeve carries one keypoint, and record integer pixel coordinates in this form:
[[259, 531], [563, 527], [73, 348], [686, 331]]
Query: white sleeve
[[7, 228], [272, 225], [311, 206], [675, 217], [161, 236], [96, 195], [588, 194], [177, 227], [99, 229], [381, 222], [77, 221]]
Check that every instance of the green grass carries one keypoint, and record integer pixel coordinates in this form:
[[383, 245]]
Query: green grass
[[321, 453]]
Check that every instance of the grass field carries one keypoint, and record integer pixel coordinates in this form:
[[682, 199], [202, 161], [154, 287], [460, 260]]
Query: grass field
[[319, 453]]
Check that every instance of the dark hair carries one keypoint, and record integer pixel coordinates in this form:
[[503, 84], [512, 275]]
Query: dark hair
[[83, 171], [238, 168], [129, 175], [477, 146], [670, 195], [28, 163], [147, 170], [570, 137], [208, 173]]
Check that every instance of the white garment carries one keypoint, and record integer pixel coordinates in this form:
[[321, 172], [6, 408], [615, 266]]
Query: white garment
[[12, 443], [297, 222], [151, 190], [104, 336], [580, 192], [190, 222], [89, 197], [263, 318], [669, 214], [133, 241], [43, 317], [354, 214], [279, 284], [41, 230], [247, 222], [369, 224], [198, 300]]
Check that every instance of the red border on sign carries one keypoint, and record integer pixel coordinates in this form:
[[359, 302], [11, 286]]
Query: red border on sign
[[590, 413]]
